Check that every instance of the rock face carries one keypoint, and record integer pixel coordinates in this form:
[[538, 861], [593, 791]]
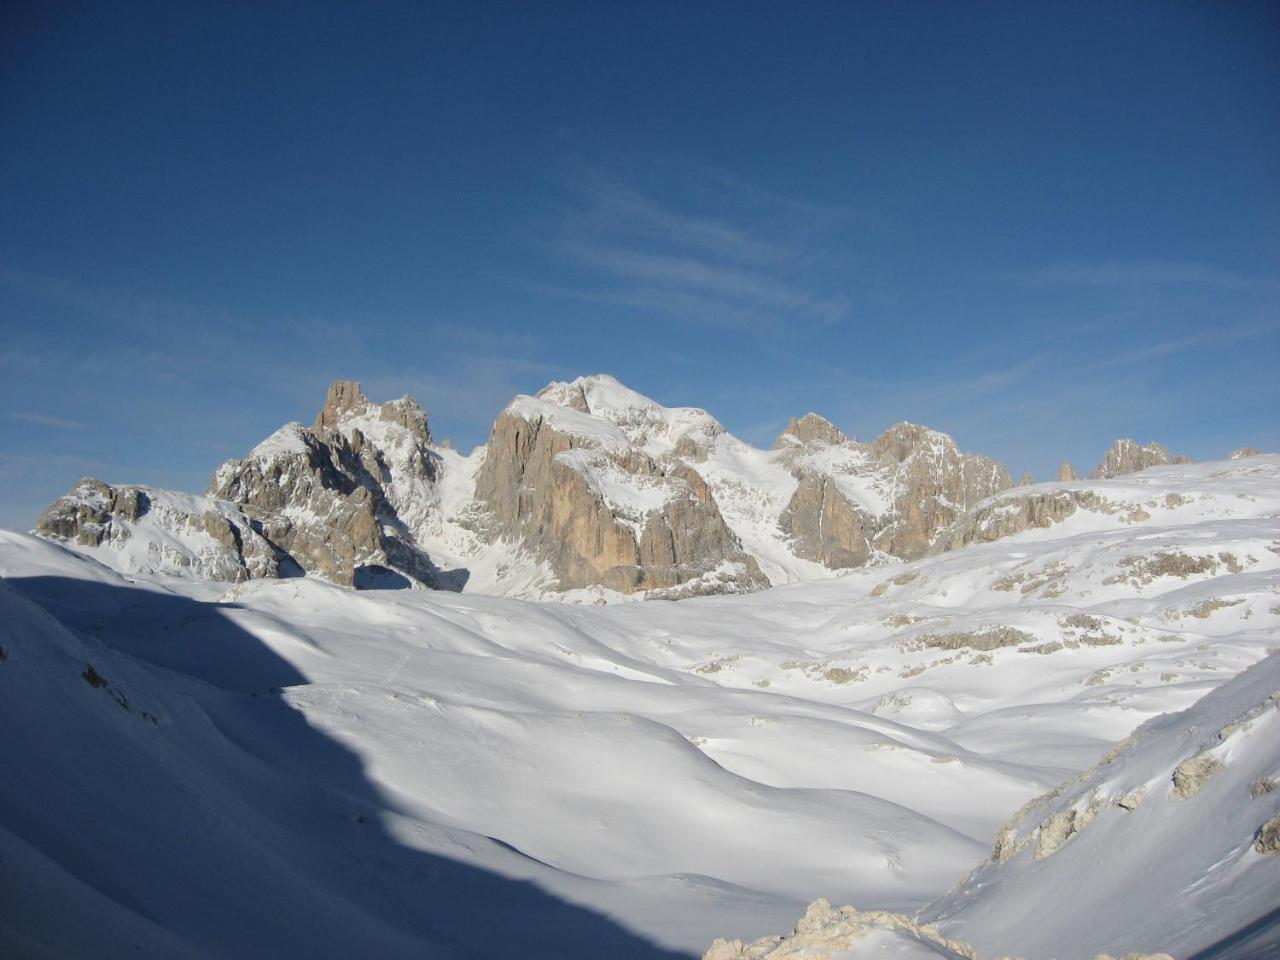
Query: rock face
[[586, 485], [157, 531], [824, 525], [1067, 473], [1014, 514], [1244, 452], [890, 497], [342, 498], [576, 487], [1126, 456], [935, 483], [808, 428]]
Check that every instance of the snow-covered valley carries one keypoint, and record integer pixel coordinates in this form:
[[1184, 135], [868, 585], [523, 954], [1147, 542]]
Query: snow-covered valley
[[286, 767]]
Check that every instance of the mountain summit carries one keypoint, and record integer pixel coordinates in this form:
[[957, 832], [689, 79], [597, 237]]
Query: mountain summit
[[586, 490]]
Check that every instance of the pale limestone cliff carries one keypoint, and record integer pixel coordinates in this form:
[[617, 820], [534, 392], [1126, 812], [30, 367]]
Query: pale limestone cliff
[[1127, 456], [890, 496], [935, 483], [824, 526], [1067, 473], [808, 428], [584, 497]]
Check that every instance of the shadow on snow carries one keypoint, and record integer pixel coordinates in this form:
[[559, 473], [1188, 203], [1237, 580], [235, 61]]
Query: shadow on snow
[[243, 831]]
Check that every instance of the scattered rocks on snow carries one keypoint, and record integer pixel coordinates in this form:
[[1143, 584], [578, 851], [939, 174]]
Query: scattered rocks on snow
[[1190, 775]]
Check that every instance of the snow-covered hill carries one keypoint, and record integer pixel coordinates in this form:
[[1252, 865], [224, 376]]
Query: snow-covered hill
[[432, 773]]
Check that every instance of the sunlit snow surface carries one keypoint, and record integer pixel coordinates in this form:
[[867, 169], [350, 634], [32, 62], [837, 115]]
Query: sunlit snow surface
[[288, 768]]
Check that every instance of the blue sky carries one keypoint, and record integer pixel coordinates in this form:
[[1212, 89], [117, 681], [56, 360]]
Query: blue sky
[[1035, 226]]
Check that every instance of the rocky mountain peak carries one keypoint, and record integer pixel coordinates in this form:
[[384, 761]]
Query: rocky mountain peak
[[809, 428], [1067, 473], [346, 408], [1127, 456], [344, 399], [902, 440], [590, 477]]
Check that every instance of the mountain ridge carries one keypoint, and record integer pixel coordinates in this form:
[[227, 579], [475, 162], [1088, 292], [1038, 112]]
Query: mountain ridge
[[587, 490]]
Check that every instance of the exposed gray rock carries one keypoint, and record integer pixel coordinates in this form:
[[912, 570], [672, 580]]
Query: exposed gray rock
[[1244, 452], [344, 494], [1126, 456], [1267, 839], [824, 525], [159, 532], [1190, 775], [1013, 514], [546, 488], [808, 428], [926, 480], [935, 485], [1067, 473], [825, 932]]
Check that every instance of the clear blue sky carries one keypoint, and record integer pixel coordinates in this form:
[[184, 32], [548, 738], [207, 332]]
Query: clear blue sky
[[1035, 226]]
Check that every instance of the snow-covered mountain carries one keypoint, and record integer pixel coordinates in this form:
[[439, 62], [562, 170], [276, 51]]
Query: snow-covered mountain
[[283, 767], [588, 491]]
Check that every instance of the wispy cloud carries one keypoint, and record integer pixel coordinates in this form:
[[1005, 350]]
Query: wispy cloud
[[1147, 273], [45, 420], [749, 263], [1222, 336]]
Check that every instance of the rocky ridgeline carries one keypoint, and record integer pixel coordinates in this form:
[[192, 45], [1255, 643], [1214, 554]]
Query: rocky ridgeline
[[341, 498], [1126, 456], [888, 497], [200, 537], [337, 500], [1045, 506], [591, 482]]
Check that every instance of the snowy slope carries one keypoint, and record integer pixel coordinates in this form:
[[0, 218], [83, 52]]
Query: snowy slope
[[1171, 817], [422, 769]]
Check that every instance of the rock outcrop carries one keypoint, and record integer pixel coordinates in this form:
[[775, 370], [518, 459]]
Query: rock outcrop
[[824, 526], [825, 932], [1177, 791], [808, 428], [1067, 473], [1015, 513], [891, 496], [578, 490], [1127, 456], [341, 498], [1244, 452], [935, 484], [155, 531], [587, 485]]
